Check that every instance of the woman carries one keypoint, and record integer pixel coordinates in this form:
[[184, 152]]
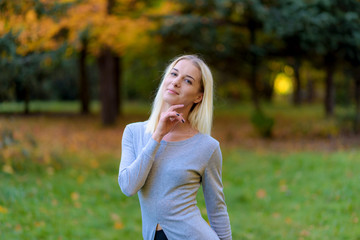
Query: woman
[[168, 157]]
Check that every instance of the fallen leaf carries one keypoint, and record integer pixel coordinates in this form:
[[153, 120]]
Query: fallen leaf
[[18, 228], [288, 220], [75, 196], [115, 217], [39, 224], [304, 233], [3, 209], [80, 179], [261, 193], [54, 202], [118, 225]]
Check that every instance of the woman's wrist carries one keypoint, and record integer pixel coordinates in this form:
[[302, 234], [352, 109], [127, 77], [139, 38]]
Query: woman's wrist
[[157, 137]]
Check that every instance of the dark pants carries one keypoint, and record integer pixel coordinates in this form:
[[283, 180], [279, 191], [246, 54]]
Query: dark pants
[[160, 235]]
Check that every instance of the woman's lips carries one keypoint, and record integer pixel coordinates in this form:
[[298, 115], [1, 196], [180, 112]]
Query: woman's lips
[[172, 92]]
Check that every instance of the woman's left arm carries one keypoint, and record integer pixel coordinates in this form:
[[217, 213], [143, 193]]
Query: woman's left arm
[[214, 196]]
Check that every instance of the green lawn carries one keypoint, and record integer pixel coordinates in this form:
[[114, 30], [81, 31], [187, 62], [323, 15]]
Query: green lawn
[[269, 196]]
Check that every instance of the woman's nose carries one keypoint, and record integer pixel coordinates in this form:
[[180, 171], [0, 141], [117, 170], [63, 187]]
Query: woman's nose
[[176, 82]]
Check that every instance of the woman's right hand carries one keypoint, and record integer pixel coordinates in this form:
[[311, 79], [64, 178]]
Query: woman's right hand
[[168, 120]]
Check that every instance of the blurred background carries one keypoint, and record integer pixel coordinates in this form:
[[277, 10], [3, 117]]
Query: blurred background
[[73, 73]]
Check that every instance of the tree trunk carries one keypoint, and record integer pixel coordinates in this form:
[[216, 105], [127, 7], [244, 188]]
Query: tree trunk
[[26, 100], [297, 83], [109, 70], [310, 92], [329, 87], [356, 75], [117, 83], [254, 67], [108, 86], [84, 83]]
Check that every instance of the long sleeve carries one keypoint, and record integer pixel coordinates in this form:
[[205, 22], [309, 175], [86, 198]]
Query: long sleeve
[[134, 169], [214, 197]]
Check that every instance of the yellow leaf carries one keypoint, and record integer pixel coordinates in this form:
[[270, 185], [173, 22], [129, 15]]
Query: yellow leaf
[[276, 215], [288, 220], [115, 217], [3, 209], [261, 193], [77, 204], [30, 16], [75, 196], [94, 163], [39, 224], [18, 228], [118, 225], [304, 233], [80, 179], [50, 171], [54, 202]]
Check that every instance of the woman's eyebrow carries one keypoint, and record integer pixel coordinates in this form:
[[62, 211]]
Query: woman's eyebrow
[[186, 75]]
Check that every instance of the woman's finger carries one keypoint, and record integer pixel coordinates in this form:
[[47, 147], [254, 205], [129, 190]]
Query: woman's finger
[[174, 115], [173, 107]]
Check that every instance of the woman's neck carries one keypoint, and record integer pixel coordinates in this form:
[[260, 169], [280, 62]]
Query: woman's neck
[[181, 131]]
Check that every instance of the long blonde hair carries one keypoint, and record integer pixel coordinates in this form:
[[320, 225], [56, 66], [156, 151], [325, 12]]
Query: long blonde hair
[[201, 114]]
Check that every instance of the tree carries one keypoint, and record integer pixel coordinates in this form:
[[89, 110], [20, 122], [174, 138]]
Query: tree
[[106, 29], [228, 33], [27, 30]]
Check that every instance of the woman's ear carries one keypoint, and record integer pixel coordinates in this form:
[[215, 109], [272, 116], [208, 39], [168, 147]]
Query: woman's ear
[[199, 98]]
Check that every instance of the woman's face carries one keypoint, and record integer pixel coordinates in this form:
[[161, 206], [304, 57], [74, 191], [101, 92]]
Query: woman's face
[[183, 84]]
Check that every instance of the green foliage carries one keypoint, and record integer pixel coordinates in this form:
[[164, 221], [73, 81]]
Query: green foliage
[[22, 76], [262, 123], [321, 27]]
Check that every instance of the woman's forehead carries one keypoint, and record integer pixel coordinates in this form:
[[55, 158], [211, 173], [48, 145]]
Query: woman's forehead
[[187, 67]]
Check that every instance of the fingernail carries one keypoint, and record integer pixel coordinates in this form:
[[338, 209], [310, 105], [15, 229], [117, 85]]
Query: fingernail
[[177, 114], [182, 120]]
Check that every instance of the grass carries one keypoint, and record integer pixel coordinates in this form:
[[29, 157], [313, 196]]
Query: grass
[[68, 107], [58, 176], [269, 196]]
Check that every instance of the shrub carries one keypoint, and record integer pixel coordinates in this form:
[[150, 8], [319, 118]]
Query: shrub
[[262, 124]]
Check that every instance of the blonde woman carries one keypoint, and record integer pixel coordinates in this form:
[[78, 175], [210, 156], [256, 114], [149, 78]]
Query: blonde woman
[[168, 157]]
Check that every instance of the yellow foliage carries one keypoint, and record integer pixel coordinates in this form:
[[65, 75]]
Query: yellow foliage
[[2, 27], [166, 8], [118, 31], [30, 16]]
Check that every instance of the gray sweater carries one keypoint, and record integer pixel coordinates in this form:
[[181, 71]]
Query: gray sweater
[[167, 176]]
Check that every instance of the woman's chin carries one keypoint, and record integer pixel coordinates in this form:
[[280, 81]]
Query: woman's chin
[[170, 101]]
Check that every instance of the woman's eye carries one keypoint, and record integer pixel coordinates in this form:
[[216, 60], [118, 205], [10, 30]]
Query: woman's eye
[[188, 81], [173, 74]]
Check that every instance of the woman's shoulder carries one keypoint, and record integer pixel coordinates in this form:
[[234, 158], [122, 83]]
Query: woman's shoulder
[[136, 129], [137, 126], [209, 140]]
